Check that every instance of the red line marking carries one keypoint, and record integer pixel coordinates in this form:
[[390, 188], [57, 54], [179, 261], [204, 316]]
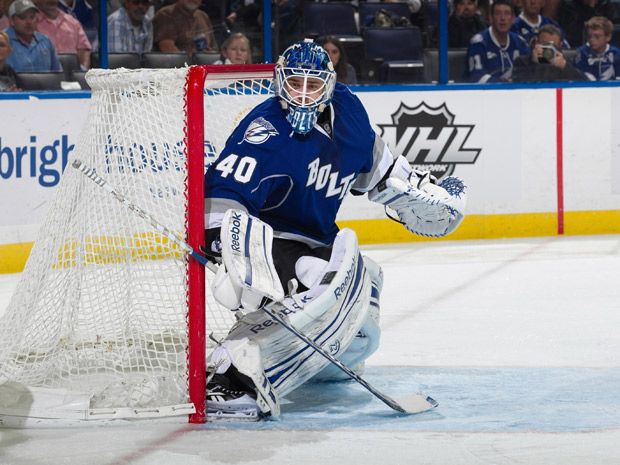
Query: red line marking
[[559, 159]]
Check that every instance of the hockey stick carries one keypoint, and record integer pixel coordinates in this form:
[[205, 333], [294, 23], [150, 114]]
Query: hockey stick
[[413, 404]]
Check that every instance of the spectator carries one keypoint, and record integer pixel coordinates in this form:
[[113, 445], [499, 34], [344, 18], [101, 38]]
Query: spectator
[[492, 52], [245, 15], [235, 50], [597, 59], [129, 29], [345, 72], [573, 14], [546, 62], [31, 50], [530, 21], [4, 18], [216, 11], [8, 78], [113, 5], [464, 23], [64, 30], [86, 14], [288, 16], [182, 27]]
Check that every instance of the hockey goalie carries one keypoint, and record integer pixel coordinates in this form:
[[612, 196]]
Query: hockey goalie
[[271, 201]]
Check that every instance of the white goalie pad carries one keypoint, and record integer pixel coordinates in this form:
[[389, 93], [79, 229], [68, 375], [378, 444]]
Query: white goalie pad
[[331, 313], [249, 273], [423, 207], [366, 341]]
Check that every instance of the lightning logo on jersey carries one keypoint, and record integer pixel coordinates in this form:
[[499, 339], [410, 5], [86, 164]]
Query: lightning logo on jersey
[[259, 131]]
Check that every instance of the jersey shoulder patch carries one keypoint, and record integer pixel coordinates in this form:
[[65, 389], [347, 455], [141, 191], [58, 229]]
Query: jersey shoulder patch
[[259, 131], [477, 39]]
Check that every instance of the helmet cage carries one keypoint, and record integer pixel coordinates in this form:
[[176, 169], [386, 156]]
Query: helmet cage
[[297, 87], [306, 87]]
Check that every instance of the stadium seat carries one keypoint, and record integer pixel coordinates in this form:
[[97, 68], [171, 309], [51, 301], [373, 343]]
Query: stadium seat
[[570, 54], [165, 60], [393, 54], [456, 65], [615, 35], [40, 81], [331, 18], [70, 62], [79, 76], [119, 60], [335, 19], [205, 58]]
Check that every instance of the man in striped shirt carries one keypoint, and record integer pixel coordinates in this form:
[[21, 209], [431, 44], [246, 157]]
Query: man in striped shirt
[[129, 28]]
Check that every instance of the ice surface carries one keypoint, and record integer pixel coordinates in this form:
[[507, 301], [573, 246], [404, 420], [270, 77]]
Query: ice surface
[[518, 341]]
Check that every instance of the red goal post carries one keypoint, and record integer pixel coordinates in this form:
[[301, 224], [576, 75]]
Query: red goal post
[[196, 78]]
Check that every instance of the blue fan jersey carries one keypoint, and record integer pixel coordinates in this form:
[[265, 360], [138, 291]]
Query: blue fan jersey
[[487, 61], [598, 67], [529, 31], [293, 182]]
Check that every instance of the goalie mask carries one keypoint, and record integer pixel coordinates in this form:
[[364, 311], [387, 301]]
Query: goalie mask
[[305, 81]]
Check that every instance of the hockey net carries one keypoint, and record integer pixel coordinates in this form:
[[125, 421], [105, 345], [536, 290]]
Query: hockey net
[[108, 311]]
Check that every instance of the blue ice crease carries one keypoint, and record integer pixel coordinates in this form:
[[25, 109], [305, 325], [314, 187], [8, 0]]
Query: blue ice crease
[[470, 400]]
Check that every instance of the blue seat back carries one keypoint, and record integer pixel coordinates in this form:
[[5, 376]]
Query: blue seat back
[[393, 44], [332, 18]]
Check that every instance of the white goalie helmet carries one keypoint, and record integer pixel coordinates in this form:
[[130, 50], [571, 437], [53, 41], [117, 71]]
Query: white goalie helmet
[[305, 82]]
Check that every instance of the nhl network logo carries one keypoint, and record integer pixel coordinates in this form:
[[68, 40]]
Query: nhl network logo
[[429, 139]]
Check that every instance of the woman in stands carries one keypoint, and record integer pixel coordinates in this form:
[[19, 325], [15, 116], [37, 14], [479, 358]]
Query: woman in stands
[[345, 72], [8, 77], [236, 50]]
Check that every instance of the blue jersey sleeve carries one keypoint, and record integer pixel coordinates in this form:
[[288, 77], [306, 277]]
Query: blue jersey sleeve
[[476, 59]]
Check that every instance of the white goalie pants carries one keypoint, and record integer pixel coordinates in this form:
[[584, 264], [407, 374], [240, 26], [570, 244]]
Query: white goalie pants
[[340, 313]]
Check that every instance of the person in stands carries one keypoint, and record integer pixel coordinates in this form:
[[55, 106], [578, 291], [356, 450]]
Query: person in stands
[[183, 27], [547, 61], [464, 23], [32, 50], [8, 78], [345, 72], [492, 52], [4, 18], [235, 50], [598, 59], [64, 30], [129, 28]]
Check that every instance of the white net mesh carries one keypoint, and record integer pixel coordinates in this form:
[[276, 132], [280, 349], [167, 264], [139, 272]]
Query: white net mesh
[[101, 306]]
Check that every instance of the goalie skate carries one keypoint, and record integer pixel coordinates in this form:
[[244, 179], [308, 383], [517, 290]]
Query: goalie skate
[[227, 404]]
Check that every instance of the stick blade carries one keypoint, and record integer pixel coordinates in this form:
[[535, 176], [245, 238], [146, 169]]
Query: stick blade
[[417, 403]]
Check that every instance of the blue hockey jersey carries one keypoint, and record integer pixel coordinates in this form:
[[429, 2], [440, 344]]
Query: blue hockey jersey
[[529, 31], [598, 67], [293, 182], [487, 61]]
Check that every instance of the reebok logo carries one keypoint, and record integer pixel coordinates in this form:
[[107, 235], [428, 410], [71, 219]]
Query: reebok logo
[[235, 233], [345, 283]]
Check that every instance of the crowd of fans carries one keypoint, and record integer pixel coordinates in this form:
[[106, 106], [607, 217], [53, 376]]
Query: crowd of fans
[[529, 46], [501, 40]]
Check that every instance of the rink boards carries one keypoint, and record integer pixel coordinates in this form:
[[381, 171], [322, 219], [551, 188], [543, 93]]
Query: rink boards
[[538, 161]]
